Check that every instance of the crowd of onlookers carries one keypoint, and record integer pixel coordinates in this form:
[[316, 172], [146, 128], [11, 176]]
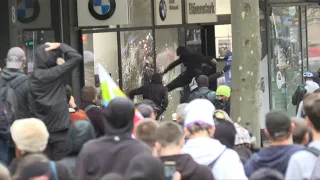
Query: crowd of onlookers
[[46, 135]]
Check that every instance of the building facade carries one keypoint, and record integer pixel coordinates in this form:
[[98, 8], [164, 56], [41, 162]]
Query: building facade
[[134, 38]]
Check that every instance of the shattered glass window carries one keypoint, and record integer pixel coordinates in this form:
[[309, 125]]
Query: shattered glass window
[[137, 58]]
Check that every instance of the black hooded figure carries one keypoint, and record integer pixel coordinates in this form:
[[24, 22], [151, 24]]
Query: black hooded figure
[[49, 93], [193, 63], [113, 152], [154, 91]]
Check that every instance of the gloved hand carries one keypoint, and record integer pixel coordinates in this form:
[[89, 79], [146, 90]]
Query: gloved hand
[[226, 68]]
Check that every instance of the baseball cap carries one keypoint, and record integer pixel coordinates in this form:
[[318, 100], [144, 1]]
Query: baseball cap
[[277, 124], [15, 58], [199, 111]]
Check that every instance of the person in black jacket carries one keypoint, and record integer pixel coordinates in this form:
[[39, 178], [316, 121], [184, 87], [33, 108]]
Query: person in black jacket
[[154, 91], [193, 63], [12, 73], [49, 93], [113, 152], [18, 81]]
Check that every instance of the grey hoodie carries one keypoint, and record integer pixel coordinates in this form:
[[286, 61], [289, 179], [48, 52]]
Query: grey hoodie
[[205, 150]]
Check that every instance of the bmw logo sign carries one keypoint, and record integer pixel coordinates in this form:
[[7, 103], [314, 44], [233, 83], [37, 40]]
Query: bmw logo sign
[[28, 10], [102, 9], [163, 10]]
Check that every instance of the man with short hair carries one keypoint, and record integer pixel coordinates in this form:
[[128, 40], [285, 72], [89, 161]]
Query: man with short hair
[[146, 131], [181, 113], [303, 163], [301, 132], [279, 128], [170, 141]]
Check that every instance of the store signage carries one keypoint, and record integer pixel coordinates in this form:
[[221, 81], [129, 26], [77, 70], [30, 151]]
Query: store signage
[[102, 12], [31, 14], [201, 11], [168, 12], [13, 15]]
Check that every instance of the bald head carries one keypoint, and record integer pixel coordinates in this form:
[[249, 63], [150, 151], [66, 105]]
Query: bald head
[[15, 58]]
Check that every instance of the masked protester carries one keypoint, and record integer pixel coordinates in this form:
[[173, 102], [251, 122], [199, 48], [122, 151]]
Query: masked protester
[[49, 92], [222, 101]]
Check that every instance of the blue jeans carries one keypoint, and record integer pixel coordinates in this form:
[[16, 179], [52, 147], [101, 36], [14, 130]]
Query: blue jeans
[[4, 150]]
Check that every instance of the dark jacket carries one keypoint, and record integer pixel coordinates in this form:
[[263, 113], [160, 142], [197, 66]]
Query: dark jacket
[[47, 86], [244, 153], [276, 157], [79, 133], [202, 93], [22, 91], [62, 171], [188, 168], [95, 116], [154, 91], [213, 80], [113, 152], [192, 61], [145, 167], [298, 96]]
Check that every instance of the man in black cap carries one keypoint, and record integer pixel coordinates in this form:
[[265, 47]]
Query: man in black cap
[[279, 129], [113, 152]]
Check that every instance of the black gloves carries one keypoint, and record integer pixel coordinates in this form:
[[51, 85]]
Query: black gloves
[[226, 68]]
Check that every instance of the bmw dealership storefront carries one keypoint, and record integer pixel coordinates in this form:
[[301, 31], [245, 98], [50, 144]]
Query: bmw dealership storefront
[[134, 38], [130, 38]]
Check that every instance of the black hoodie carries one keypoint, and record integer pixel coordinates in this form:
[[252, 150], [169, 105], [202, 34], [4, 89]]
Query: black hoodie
[[113, 152], [154, 91], [79, 133], [47, 85], [21, 90], [145, 167], [192, 61], [188, 168]]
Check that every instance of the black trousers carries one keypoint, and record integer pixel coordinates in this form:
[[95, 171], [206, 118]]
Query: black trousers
[[182, 80], [57, 147]]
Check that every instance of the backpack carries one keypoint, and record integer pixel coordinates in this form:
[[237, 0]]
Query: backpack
[[199, 95], [214, 162], [316, 170], [90, 106], [8, 98], [298, 95]]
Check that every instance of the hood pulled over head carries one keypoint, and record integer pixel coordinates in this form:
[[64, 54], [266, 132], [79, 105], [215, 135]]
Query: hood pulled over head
[[45, 59], [79, 133], [118, 116], [181, 50], [156, 78]]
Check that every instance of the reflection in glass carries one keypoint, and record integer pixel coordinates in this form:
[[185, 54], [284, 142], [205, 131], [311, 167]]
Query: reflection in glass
[[167, 41], [193, 40], [313, 24], [137, 58], [30, 39], [223, 35], [96, 52], [286, 63], [139, 13]]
